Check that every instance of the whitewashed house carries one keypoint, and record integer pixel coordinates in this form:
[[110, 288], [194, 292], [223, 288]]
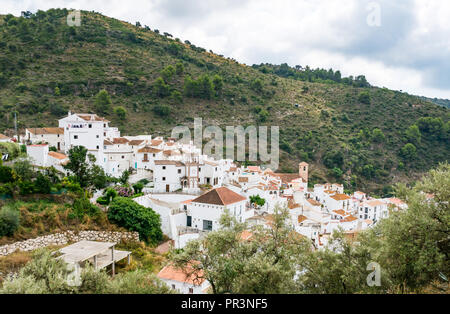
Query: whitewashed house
[[204, 212], [185, 281], [54, 137]]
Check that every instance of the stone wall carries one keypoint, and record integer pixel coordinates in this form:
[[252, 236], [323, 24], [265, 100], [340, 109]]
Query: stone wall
[[66, 237]]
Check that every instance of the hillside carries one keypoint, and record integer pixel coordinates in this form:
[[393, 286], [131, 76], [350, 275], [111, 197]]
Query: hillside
[[48, 68]]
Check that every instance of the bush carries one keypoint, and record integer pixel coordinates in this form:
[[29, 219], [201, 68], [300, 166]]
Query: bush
[[9, 221], [364, 97], [82, 206], [6, 174], [102, 200], [161, 110], [128, 214]]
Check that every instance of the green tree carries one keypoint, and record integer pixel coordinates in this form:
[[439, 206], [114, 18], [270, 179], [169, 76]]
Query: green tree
[[378, 135], [218, 83], [79, 166], [103, 102], [121, 112], [364, 97], [160, 88], [413, 134], [179, 68], [168, 72], [128, 214], [409, 151], [43, 184], [412, 246], [262, 264], [9, 220], [257, 200]]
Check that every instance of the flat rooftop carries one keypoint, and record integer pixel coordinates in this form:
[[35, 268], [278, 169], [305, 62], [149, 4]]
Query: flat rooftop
[[100, 253]]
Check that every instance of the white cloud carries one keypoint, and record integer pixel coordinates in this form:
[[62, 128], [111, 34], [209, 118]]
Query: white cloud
[[409, 51]]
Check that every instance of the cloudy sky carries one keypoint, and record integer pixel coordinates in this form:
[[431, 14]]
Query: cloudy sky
[[402, 45]]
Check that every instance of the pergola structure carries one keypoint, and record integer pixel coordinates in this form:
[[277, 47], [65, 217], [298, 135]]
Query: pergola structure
[[99, 254]]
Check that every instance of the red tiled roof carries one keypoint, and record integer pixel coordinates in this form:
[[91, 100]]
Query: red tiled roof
[[148, 149], [156, 142], [170, 272], [135, 142], [3, 137], [340, 197], [120, 140], [57, 155], [219, 196], [39, 131], [91, 117]]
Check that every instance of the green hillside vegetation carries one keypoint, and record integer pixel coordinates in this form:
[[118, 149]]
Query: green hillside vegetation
[[350, 132]]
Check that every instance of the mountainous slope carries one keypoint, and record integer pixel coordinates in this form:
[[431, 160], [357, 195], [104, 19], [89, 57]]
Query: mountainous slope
[[349, 131], [438, 101]]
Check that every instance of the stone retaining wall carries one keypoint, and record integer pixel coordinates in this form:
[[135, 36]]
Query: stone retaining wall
[[66, 237]]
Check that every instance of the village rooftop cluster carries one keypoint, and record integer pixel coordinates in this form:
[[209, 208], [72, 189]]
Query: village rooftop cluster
[[191, 191]]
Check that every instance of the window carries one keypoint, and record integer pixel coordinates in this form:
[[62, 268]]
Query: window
[[98, 136], [90, 126], [104, 133], [123, 157], [164, 167], [179, 170], [154, 155], [207, 225], [98, 147], [189, 220], [164, 178], [75, 137], [104, 125], [173, 286], [191, 290], [199, 169]]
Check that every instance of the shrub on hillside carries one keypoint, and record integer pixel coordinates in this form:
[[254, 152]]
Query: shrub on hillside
[[128, 214], [9, 221]]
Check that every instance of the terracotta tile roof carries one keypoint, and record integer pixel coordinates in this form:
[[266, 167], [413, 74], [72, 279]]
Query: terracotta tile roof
[[171, 153], [301, 218], [214, 164], [303, 163], [120, 140], [57, 155], [246, 235], [169, 162], [340, 197], [286, 177], [313, 202], [254, 169], [396, 201], [233, 169], [148, 149], [90, 117], [3, 137], [135, 142], [340, 212], [349, 219], [170, 272], [39, 131], [375, 203], [219, 196], [156, 142], [243, 179], [107, 143]]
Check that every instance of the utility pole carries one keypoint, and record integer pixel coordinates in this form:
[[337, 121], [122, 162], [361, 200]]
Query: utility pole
[[15, 126]]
